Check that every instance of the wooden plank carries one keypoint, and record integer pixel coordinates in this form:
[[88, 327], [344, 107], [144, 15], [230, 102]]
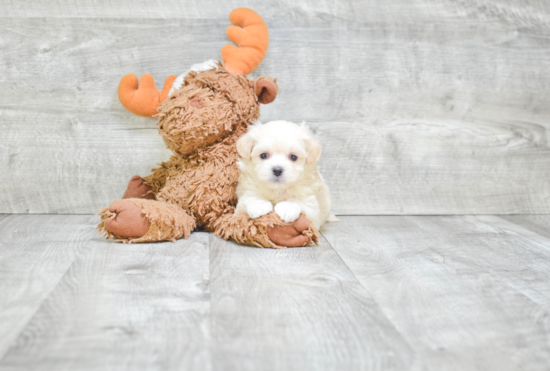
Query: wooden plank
[[171, 9], [446, 119], [508, 252], [531, 272], [447, 285], [527, 12], [84, 161], [419, 293], [435, 167], [539, 224], [343, 71], [296, 309], [123, 307], [35, 253], [79, 163]]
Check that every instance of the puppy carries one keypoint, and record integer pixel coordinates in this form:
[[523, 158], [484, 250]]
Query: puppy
[[279, 172]]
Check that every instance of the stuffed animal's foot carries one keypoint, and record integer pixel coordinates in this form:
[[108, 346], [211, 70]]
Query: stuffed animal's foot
[[138, 189], [298, 233], [126, 220], [139, 220]]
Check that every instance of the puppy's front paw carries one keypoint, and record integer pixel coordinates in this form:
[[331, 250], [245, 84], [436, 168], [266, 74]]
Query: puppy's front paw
[[258, 208], [288, 211]]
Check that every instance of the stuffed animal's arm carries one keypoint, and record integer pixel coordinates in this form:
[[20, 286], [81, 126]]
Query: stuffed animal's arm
[[266, 231], [157, 180]]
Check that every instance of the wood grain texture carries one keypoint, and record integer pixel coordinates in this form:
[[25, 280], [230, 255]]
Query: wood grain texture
[[123, 307], [296, 309], [527, 12], [379, 293], [35, 253], [518, 257], [422, 108], [539, 224], [435, 167], [73, 162], [463, 291]]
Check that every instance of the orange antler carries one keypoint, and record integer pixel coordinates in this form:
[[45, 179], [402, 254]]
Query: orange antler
[[143, 100], [252, 38]]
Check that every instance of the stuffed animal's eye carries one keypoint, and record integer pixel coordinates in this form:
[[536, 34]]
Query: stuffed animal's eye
[[293, 157], [263, 156]]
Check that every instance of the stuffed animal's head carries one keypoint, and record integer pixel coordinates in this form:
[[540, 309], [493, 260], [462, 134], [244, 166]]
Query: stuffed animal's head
[[210, 104]]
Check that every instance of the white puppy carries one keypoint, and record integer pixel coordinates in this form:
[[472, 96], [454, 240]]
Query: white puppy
[[279, 171]]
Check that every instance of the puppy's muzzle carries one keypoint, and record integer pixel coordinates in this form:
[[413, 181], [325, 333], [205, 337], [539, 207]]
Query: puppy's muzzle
[[277, 171]]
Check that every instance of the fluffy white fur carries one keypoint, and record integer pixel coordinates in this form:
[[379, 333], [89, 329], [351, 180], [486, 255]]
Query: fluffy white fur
[[197, 67], [298, 189]]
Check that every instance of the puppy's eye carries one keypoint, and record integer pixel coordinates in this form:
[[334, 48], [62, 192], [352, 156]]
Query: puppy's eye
[[263, 156], [293, 157]]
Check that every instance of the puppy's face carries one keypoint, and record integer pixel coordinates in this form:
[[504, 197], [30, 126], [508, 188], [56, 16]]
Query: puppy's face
[[278, 153]]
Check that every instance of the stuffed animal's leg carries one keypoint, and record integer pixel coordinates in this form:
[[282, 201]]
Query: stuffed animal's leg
[[138, 189], [147, 187], [139, 220], [266, 231]]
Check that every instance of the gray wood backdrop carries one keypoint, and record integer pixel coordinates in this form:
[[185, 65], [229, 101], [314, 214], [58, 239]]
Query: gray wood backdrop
[[423, 107]]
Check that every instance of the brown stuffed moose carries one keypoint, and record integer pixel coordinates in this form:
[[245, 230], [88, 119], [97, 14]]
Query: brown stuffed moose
[[200, 121]]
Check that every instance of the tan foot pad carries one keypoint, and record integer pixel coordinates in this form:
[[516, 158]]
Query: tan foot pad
[[292, 235], [128, 220]]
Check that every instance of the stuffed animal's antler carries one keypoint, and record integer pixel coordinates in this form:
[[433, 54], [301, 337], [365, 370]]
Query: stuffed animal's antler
[[143, 100], [252, 39]]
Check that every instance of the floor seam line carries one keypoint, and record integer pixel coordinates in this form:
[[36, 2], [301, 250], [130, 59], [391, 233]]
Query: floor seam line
[[77, 255]]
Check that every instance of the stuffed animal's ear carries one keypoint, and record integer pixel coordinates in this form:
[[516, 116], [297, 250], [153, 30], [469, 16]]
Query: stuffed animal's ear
[[313, 150], [245, 144], [266, 89]]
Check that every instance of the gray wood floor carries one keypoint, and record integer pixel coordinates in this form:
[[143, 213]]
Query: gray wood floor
[[422, 107], [378, 293]]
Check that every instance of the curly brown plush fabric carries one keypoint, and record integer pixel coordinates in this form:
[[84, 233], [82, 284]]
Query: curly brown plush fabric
[[165, 221], [200, 123]]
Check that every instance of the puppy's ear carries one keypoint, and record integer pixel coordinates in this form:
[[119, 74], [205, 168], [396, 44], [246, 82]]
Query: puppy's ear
[[313, 149], [245, 144]]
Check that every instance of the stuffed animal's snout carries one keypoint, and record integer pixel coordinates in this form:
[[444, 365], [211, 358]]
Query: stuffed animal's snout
[[196, 103]]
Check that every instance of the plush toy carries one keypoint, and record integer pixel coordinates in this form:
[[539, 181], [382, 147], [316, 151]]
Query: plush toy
[[201, 115]]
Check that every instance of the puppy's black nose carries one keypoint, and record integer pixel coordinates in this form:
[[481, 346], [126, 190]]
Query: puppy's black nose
[[277, 170]]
